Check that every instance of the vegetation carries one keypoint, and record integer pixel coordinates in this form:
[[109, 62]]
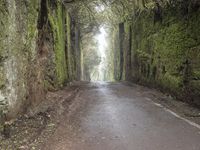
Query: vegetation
[[153, 42]]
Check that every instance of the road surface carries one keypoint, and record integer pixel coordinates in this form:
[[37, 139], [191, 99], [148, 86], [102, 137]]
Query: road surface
[[114, 116]]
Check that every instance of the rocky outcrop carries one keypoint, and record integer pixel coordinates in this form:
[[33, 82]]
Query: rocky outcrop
[[39, 51], [161, 48]]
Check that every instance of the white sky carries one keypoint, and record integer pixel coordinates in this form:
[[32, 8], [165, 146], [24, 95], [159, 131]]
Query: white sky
[[102, 43], [100, 8]]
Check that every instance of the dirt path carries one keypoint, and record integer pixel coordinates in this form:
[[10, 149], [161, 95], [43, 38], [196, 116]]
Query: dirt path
[[121, 117], [106, 116]]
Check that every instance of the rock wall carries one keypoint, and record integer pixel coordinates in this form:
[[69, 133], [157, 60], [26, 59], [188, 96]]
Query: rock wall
[[37, 53], [117, 54], [164, 45]]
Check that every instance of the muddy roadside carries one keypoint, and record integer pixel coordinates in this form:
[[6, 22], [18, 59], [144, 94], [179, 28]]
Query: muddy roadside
[[37, 125]]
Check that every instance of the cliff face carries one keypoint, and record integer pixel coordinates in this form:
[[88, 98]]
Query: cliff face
[[161, 48], [37, 38]]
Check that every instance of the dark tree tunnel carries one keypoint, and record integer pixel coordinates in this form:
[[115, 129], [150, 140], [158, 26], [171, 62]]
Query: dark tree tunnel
[[99, 74]]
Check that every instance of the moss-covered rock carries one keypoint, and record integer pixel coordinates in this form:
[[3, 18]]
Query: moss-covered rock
[[35, 38], [57, 18], [165, 51], [18, 37]]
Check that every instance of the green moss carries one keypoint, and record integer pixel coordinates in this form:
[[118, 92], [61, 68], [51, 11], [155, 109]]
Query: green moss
[[116, 51], [142, 55], [168, 50], [56, 18], [69, 48], [174, 83], [3, 22], [2, 80], [196, 74]]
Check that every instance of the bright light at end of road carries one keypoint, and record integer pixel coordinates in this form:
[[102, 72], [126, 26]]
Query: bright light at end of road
[[100, 8], [102, 46], [101, 38]]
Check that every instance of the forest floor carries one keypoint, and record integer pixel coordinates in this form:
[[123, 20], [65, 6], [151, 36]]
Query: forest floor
[[109, 116]]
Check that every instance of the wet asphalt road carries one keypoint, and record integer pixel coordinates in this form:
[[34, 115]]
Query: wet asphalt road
[[120, 117]]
